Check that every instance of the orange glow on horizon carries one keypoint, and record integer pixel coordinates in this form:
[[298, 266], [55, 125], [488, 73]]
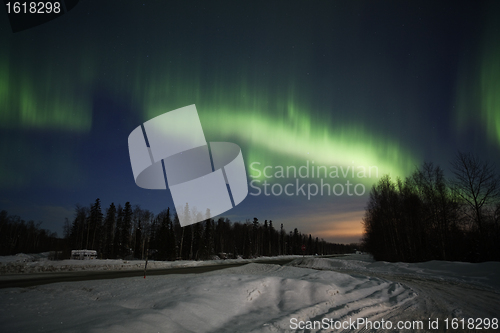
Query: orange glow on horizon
[[345, 227]]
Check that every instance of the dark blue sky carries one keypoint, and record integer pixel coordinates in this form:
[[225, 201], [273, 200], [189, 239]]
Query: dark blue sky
[[389, 84]]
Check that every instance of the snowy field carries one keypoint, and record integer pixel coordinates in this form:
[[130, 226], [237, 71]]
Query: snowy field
[[308, 295]]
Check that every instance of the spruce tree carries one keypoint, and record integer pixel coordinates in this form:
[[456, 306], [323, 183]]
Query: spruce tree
[[96, 225], [109, 231], [125, 230]]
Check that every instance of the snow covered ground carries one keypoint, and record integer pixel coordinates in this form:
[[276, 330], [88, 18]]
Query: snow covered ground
[[308, 295], [485, 274], [38, 263]]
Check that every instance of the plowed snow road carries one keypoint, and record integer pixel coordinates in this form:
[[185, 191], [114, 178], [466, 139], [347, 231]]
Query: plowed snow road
[[29, 280]]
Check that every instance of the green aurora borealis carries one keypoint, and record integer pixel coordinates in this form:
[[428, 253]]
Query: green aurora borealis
[[276, 129], [337, 85], [478, 96]]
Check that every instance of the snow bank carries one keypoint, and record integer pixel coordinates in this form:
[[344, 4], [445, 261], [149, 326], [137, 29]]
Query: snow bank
[[254, 297], [485, 274], [38, 263], [22, 257]]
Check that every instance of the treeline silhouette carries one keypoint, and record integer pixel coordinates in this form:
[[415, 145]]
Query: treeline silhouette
[[17, 235], [126, 232], [427, 217]]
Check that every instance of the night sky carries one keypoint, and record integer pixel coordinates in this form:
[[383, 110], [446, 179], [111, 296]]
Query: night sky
[[358, 84]]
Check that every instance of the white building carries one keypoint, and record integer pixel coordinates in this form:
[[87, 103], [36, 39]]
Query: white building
[[83, 254]]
